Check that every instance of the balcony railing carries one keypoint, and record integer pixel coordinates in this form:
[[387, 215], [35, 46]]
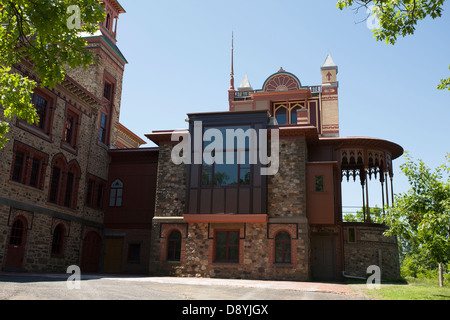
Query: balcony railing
[[246, 95]]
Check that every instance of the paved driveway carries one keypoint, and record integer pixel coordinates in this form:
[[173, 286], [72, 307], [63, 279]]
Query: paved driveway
[[54, 287]]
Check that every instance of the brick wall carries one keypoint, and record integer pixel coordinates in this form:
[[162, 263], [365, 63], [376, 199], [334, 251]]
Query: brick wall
[[90, 157]]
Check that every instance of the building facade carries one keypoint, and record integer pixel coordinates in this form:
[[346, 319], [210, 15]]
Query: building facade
[[78, 189], [228, 220], [54, 175]]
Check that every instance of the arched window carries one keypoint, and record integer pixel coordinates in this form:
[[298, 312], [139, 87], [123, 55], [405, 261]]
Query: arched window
[[283, 248], [174, 246], [71, 191], [108, 21], [115, 199], [58, 239], [282, 116], [58, 165], [294, 116]]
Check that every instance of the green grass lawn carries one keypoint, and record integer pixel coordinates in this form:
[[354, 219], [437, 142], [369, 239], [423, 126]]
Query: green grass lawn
[[411, 289]]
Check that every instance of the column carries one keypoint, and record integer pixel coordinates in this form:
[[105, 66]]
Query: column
[[392, 187], [367, 196], [387, 191]]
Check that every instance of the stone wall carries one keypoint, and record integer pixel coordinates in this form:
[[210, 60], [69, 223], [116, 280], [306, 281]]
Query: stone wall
[[370, 247], [256, 252], [171, 185], [287, 213], [287, 189]]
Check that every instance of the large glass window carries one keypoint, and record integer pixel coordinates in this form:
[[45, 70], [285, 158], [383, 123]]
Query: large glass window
[[232, 166]]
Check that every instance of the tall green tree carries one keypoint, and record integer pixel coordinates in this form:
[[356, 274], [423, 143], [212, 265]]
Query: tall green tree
[[47, 34], [421, 216], [398, 18]]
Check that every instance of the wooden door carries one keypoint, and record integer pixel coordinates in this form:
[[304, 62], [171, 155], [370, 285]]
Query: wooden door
[[16, 245], [113, 255], [90, 260], [323, 264]]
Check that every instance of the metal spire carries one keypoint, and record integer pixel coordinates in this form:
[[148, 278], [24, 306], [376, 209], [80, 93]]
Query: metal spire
[[232, 62]]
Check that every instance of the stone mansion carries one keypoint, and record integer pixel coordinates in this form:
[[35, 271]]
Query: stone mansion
[[78, 188]]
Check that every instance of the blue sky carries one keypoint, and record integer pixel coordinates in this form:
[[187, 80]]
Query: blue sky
[[179, 63]]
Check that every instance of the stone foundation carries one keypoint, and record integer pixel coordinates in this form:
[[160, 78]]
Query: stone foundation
[[256, 251]]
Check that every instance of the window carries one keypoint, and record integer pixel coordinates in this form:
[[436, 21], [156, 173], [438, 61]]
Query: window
[[71, 128], [64, 181], [17, 232], [40, 104], [28, 166], [222, 173], [283, 248], [108, 91], [89, 192], [319, 184], [58, 240], [43, 101], [54, 186], [18, 169], [103, 128], [35, 169], [106, 113], [281, 116], [115, 199], [99, 202], [227, 246], [174, 246], [351, 235], [134, 253], [94, 192], [294, 114], [108, 21], [287, 112], [69, 190]]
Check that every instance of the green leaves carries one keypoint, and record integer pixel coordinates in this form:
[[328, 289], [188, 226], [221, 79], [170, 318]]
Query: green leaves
[[37, 31], [445, 84], [15, 99], [422, 215], [399, 18]]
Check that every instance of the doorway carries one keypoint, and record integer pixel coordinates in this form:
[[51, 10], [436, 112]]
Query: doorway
[[323, 262], [16, 244], [90, 260], [113, 254]]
